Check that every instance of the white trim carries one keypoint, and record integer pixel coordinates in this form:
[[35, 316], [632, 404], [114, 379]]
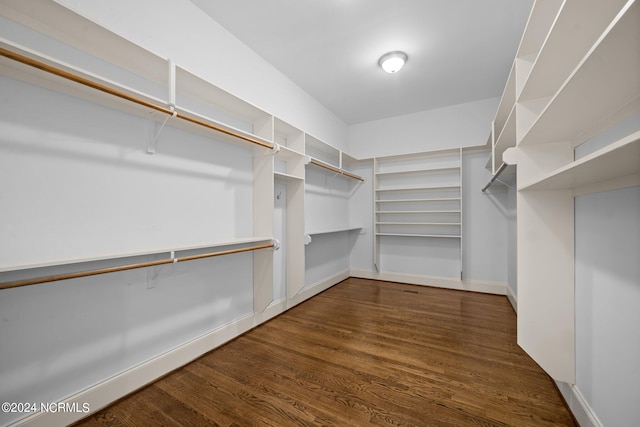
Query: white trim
[[513, 299], [315, 288], [487, 287], [584, 413], [106, 392]]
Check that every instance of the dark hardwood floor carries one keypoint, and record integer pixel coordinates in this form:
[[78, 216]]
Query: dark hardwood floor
[[361, 353]]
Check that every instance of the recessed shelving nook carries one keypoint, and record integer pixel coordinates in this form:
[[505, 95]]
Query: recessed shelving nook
[[576, 78], [418, 196]]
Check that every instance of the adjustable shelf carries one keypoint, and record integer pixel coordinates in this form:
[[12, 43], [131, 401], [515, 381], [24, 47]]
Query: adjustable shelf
[[442, 236]]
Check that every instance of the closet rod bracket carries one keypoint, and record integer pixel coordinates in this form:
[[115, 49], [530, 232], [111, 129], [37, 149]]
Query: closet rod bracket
[[151, 147]]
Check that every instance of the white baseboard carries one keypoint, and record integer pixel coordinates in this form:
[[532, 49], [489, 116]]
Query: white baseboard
[[578, 405], [513, 299], [112, 389], [486, 287]]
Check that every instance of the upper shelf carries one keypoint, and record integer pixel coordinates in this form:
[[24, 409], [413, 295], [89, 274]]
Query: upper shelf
[[214, 244], [606, 81], [617, 160], [573, 32], [336, 170]]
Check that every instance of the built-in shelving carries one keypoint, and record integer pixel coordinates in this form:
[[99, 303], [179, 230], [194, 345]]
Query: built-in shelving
[[604, 82], [418, 196], [576, 77]]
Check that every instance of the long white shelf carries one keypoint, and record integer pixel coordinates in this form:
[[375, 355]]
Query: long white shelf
[[443, 199], [215, 244], [419, 171], [617, 160], [445, 236], [407, 189], [35, 75], [605, 81], [333, 230], [416, 212], [419, 223]]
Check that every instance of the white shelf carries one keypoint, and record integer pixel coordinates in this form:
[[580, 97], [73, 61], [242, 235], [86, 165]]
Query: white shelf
[[322, 151], [418, 223], [407, 189], [419, 171], [445, 236], [288, 136], [605, 81], [572, 34], [507, 137], [415, 212], [120, 59], [338, 171], [234, 134], [287, 177], [33, 75], [286, 153], [444, 199], [334, 230], [617, 160], [215, 244], [191, 88], [507, 100]]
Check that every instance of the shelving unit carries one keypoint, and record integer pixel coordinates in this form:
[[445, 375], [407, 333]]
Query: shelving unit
[[418, 196], [575, 78], [289, 169]]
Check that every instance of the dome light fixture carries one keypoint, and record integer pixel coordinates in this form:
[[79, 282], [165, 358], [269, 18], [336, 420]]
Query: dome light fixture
[[392, 62]]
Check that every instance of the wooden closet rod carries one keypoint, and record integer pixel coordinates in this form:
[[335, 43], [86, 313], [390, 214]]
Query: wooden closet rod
[[336, 170], [122, 95], [79, 274]]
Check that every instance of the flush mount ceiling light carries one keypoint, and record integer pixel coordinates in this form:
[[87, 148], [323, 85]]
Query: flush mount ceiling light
[[392, 62]]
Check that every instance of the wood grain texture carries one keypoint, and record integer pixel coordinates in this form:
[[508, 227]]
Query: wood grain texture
[[361, 353]]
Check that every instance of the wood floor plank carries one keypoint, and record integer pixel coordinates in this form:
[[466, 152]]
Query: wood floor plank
[[363, 352]]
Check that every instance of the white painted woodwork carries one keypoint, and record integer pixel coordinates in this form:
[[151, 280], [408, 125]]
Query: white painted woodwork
[[575, 76]]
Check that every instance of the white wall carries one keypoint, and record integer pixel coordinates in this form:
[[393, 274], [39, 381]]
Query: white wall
[[484, 222], [202, 46], [77, 183], [462, 125], [607, 299]]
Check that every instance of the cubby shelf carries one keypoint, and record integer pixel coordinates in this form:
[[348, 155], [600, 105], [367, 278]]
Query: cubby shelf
[[617, 160]]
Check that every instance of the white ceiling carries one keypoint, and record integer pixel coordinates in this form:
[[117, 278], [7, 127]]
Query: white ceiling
[[459, 50]]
